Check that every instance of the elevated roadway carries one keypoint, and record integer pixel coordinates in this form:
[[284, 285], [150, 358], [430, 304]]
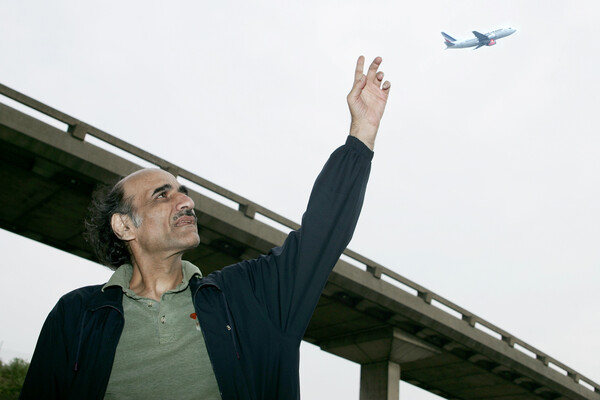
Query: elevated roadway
[[396, 329]]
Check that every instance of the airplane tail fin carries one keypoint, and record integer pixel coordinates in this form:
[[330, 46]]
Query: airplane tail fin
[[448, 44], [448, 38]]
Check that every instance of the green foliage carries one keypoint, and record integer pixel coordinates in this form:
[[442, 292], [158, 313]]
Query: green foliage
[[12, 376]]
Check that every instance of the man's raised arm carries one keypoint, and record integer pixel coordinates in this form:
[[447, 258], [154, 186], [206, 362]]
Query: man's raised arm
[[289, 281]]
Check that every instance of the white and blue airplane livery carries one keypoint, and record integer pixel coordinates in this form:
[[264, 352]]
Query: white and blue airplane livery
[[489, 39]]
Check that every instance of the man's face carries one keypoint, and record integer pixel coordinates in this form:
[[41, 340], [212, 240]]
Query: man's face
[[165, 213]]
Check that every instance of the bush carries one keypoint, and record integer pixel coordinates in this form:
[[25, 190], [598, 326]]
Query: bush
[[12, 376]]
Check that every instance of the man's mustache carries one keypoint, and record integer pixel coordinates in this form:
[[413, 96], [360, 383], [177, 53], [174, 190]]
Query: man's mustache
[[186, 213]]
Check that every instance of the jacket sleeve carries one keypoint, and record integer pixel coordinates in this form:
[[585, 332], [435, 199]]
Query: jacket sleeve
[[290, 279], [43, 379]]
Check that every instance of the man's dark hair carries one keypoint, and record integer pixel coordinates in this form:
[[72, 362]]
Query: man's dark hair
[[106, 201]]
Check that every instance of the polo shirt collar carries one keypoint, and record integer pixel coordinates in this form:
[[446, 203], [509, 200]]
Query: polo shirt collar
[[122, 276]]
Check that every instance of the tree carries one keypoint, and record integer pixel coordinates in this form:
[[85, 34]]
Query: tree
[[12, 376]]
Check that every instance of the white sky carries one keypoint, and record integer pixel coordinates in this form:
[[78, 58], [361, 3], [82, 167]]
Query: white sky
[[486, 181]]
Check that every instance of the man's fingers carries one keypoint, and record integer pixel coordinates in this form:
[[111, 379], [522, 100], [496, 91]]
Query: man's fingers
[[360, 65], [357, 87], [373, 69], [373, 77]]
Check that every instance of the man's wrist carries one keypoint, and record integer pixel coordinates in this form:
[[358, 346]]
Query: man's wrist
[[366, 133]]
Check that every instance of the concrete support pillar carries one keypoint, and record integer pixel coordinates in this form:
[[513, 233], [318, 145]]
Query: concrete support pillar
[[380, 353], [380, 381]]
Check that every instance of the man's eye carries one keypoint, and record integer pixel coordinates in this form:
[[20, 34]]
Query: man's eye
[[161, 195]]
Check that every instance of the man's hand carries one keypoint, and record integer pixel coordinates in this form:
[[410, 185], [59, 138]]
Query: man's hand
[[367, 101]]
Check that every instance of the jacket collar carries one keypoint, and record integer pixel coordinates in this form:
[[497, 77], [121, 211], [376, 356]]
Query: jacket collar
[[210, 280], [111, 296]]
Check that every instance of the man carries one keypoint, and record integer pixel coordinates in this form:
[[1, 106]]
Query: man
[[158, 329]]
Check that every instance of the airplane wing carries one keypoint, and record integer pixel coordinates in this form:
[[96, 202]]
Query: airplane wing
[[481, 36], [479, 45]]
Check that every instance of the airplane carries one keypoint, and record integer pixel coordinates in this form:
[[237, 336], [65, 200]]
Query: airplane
[[489, 39]]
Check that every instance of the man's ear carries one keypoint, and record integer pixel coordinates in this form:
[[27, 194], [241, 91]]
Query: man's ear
[[122, 226]]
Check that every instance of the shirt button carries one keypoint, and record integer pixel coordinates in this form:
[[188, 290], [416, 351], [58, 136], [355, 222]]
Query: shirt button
[[228, 328], [162, 319]]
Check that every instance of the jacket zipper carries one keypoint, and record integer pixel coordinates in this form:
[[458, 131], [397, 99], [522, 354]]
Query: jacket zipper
[[76, 366], [230, 327]]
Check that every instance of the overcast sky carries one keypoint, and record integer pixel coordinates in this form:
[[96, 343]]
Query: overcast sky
[[486, 179]]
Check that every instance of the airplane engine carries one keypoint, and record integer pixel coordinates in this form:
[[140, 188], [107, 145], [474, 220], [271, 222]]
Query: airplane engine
[[492, 42]]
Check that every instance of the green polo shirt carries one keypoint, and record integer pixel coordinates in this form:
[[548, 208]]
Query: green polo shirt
[[161, 353]]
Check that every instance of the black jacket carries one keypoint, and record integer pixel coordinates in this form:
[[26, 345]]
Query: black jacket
[[253, 314]]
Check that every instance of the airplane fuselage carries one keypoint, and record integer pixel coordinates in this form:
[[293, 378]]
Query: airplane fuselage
[[488, 39]]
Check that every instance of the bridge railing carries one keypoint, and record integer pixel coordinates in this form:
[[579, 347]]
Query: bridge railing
[[476, 322], [81, 130]]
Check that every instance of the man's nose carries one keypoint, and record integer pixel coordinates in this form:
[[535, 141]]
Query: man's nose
[[184, 201]]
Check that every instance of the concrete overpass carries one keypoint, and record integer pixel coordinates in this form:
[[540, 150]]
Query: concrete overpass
[[396, 329]]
